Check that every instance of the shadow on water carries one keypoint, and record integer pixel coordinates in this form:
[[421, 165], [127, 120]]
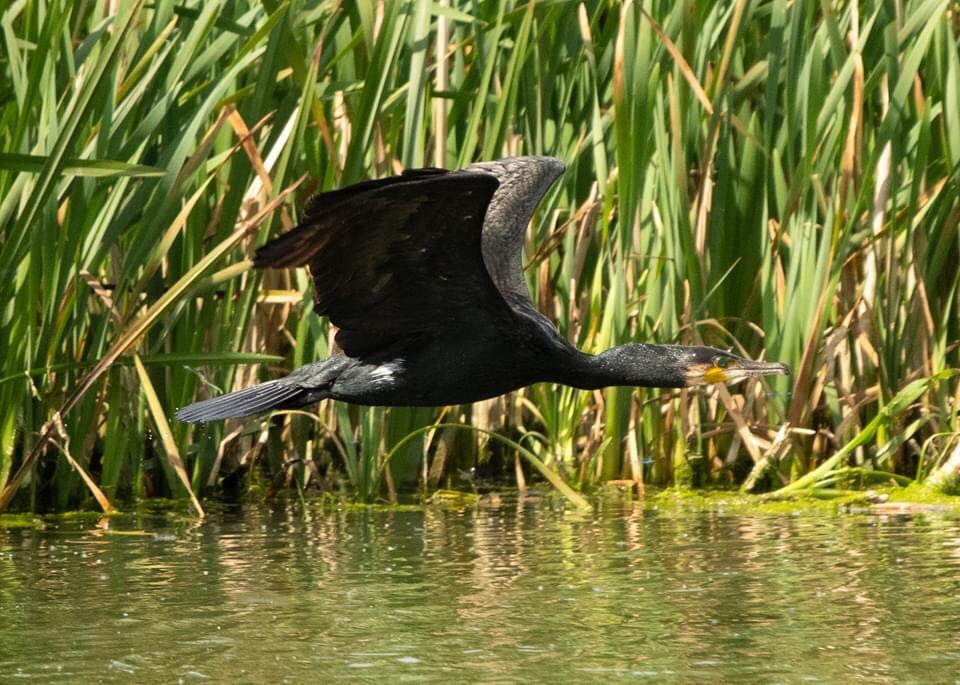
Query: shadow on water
[[522, 591]]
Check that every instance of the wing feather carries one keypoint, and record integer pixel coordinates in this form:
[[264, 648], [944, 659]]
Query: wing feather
[[395, 258], [523, 181]]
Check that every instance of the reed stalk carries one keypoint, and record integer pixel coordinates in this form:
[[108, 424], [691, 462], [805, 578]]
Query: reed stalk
[[778, 178]]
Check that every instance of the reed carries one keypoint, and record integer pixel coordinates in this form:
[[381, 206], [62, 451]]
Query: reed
[[779, 178]]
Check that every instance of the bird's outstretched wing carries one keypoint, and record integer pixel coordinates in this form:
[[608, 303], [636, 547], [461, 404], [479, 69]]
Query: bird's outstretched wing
[[395, 257], [523, 183]]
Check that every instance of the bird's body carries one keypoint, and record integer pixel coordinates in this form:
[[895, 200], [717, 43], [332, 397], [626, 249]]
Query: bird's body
[[422, 274], [411, 376]]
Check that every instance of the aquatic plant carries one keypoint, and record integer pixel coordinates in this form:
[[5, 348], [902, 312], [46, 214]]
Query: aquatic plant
[[774, 177]]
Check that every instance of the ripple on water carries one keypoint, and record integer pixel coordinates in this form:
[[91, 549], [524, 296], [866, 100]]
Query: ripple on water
[[524, 592]]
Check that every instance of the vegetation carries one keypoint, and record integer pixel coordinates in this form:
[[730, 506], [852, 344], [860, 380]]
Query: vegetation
[[779, 178]]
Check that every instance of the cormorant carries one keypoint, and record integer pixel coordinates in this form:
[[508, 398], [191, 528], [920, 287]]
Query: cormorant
[[422, 275]]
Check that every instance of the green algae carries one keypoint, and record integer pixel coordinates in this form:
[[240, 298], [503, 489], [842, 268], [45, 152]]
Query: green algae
[[22, 521], [920, 493], [914, 498], [882, 500], [731, 501]]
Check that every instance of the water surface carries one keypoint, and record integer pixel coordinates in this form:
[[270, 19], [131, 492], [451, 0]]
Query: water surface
[[526, 591]]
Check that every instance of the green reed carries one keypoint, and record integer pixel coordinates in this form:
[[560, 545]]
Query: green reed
[[778, 178]]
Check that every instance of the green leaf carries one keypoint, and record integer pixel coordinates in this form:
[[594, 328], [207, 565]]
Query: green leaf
[[78, 167]]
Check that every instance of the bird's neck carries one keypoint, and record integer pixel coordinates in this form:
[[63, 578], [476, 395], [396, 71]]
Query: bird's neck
[[651, 366]]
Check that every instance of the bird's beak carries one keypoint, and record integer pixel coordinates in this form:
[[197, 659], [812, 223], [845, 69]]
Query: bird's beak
[[752, 368], [738, 371]]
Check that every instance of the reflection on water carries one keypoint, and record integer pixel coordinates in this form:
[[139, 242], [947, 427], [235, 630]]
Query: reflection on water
[[526, 591]]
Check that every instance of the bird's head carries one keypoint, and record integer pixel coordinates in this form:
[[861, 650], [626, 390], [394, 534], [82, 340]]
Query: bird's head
[[711, 365], [669, 366]]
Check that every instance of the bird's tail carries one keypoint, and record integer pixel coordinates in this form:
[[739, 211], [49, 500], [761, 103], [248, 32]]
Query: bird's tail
[[258, 399]]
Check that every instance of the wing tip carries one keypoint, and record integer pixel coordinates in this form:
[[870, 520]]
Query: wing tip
[[550, 168], [287, 249]]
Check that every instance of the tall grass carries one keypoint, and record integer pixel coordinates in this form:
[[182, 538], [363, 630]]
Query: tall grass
[[778, 178]]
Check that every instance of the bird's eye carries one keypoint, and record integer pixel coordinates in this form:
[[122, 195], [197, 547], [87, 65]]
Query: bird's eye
[[721, 362]]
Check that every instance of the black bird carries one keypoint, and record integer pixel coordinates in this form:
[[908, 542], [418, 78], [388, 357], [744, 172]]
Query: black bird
[[422, 275]]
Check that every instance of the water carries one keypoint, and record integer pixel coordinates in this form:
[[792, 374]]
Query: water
[[521, 592]]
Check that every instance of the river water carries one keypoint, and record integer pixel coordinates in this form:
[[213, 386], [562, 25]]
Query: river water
[[521, 590]]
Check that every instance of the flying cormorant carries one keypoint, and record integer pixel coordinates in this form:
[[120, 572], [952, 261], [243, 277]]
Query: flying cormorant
[[422, 275]]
